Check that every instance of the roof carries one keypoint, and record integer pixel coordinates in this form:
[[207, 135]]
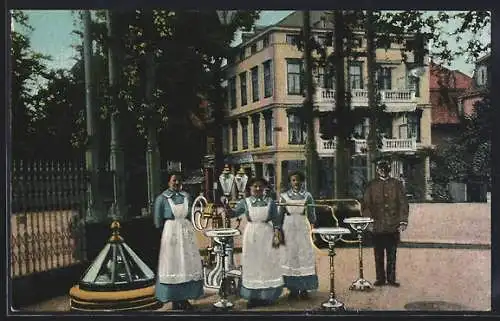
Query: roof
[[442, 77], [293, 20], [483, 59]]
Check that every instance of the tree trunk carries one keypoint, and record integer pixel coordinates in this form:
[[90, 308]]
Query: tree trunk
[[341, 151], [311, 154]]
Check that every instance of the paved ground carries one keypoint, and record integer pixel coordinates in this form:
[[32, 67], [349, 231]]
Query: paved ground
[[444, 278]]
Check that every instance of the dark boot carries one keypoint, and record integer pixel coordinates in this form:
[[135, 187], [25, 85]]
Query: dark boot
[[252, 304], [304, 295], [176, 305], [293, 294], [186, 306]]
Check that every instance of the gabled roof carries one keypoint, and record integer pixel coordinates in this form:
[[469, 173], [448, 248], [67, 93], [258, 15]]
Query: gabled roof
[[483, 59], [295, 20]]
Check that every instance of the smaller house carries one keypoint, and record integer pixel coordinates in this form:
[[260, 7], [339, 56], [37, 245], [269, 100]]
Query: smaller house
[[480, 85], [446, 86]]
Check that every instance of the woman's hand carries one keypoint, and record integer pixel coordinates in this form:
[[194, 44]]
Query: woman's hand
[[278, 238]]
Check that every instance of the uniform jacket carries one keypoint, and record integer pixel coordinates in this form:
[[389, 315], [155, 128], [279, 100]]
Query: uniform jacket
[[385, 202]]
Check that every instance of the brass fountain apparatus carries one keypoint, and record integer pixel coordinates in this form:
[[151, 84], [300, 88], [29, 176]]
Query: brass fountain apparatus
[[219, 268]]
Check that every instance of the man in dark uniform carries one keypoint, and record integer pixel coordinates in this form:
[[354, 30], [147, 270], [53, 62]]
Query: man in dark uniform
[[385, 202]]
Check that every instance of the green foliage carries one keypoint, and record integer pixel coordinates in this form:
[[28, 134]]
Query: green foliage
[[466, 158], [28, 68]]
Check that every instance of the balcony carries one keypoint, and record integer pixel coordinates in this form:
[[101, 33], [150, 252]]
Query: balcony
[[398, 100], [326, 148]]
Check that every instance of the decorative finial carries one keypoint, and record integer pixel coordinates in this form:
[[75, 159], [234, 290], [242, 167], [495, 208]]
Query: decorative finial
[[115, 228]]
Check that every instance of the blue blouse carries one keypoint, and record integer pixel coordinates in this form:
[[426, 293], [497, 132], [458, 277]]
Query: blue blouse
[[274, 216], [162, 209], [300, 195]]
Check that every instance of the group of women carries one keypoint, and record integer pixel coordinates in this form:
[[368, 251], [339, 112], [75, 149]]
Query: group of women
[[277, 251]]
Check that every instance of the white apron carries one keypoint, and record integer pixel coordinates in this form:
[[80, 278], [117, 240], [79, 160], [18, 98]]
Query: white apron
[[180, 259], [260, 261], [297, 253]]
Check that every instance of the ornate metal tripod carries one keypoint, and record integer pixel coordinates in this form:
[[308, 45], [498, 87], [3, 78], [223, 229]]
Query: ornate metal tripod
[[331, 235], [359, 224]]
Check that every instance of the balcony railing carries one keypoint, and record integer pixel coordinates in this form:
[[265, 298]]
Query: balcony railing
[[399, 144], [360, 145], [325, 98]]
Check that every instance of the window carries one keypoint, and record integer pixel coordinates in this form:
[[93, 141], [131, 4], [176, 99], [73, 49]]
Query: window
[[265, 41], [361, 129], [296, 130], [255, 83], [234, 134], [242, 54], [268, 84], [481, 76], [232, 92], [413, 82], [320, 39], [225, 139], [268, 123], [357, 42], [384, 78], [320, 77], [243, 88], [253, 49], [460, 107], [256, 130], [414, 126], [355, 76], [325, 79], [294, 77], [292, 39], [244, 132]]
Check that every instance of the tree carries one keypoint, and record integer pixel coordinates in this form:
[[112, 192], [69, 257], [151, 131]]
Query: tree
[[185, 66], [27, 69]]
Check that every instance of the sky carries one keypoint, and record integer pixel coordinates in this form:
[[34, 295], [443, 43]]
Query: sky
[[52, 36]]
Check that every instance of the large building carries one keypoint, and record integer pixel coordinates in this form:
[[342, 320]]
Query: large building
[[264, 132]]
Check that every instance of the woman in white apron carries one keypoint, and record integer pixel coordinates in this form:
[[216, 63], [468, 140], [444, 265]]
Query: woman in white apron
[[179, 276], [298, 259], [262, 280]]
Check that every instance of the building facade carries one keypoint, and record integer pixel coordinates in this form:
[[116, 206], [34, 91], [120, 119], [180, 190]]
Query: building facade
[[263, 130], [479, 87], [446, 87]]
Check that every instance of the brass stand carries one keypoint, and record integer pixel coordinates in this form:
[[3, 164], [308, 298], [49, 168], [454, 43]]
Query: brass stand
[[359, 224], [223, 236], [331, 235]]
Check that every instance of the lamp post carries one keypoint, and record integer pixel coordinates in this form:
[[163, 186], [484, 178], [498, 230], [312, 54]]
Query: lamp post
[[94, 208], [226, 17], [241, 182]]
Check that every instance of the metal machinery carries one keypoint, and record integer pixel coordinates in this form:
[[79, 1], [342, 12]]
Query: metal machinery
[[219, 260]]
